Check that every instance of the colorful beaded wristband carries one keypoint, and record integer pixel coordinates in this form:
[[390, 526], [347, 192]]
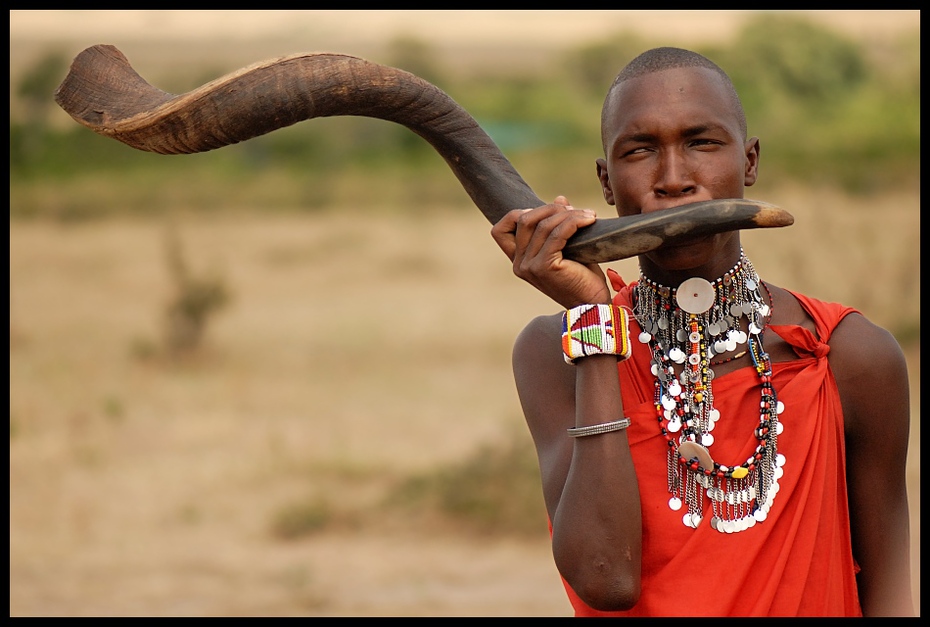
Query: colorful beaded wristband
[[606, 427], [595, 330]]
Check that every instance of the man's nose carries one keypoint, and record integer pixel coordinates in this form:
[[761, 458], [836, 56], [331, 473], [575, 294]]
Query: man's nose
[[675, 176]]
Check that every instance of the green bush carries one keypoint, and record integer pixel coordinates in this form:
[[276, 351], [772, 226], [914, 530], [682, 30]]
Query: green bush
[[495, 490], [828, 109]]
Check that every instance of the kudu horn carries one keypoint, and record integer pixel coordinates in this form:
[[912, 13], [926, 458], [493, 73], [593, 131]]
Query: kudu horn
[[104, 93]]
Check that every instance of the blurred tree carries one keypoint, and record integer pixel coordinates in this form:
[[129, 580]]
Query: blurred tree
[[35, 92], [593, 67], [417, 57], [38, 84], [793, 58]]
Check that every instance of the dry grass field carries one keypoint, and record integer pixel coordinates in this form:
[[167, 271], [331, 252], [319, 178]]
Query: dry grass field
[[254, 476], [355, 351]]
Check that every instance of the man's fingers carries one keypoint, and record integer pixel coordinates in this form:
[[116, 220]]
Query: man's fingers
[[552, 232], [534, 226], [523, 233], [504, 231]]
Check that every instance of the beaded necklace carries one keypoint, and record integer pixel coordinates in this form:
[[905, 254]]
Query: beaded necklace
[[686, 327]]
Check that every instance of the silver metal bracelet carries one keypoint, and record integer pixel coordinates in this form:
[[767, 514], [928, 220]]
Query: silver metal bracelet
[[606, 427]]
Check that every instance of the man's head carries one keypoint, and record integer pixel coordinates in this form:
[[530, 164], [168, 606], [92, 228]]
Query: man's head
[[674, 133], [666, 58]]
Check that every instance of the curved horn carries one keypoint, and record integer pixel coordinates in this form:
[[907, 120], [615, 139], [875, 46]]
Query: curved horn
[[104, 93]]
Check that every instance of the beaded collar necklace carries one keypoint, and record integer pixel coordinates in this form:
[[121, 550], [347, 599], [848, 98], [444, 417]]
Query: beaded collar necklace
[[686, 327]]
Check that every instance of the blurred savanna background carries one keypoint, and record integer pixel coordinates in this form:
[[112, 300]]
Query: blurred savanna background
[[274, 379]]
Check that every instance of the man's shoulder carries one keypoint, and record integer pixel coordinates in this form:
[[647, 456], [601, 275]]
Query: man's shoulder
[[851, 331], [538, 334], [860, 341], [542, 326]]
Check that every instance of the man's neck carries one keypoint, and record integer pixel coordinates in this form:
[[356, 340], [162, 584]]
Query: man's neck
[[671, 268]]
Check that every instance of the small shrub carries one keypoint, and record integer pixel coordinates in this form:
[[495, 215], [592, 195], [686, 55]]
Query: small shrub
[[496, 490], [300, 519], [195, 301]]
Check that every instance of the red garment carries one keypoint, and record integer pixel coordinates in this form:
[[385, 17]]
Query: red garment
[[799, 561]]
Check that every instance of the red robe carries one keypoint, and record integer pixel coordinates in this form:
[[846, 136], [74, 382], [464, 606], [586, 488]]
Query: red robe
[[799, 561]]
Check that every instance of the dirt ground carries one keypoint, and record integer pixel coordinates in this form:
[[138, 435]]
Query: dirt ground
[[143, 487], [140, 488]]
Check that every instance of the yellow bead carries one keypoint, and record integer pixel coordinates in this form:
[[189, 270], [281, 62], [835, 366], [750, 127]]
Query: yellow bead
[[739, 473]]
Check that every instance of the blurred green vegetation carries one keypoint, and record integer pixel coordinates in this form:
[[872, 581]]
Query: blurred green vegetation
[[494, 490], [830, 110]]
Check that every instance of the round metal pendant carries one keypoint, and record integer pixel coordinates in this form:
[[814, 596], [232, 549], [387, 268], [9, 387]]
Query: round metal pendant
[[695, 295], [692, 450]]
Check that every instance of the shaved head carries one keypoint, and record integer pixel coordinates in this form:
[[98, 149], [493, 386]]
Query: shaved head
[[660, 59]]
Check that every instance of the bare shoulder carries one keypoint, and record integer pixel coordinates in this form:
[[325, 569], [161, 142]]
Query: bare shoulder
[[538, 365], [858, 347], [871, 375], [867, 363], [540, 334]]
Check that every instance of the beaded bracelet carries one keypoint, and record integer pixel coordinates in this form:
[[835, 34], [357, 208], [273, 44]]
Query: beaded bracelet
[[606, 427], [595, 330]]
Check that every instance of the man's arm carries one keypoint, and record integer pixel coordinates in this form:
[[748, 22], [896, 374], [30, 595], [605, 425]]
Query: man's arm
[[589, 484], [871, 374]]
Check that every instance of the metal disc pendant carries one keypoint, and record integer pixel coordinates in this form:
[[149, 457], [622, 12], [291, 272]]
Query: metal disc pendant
[[692, 450], [695, 295]]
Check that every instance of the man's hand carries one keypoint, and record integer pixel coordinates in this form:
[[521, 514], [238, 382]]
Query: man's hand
[[534, 238]]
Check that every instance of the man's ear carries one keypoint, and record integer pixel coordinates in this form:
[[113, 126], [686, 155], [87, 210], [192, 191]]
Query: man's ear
[[753, 149], [604, 178]]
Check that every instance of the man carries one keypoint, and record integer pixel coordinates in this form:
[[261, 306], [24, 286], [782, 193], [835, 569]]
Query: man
[[761, 470]]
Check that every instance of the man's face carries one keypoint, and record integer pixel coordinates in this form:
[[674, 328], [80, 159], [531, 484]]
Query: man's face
[[672, 138]]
